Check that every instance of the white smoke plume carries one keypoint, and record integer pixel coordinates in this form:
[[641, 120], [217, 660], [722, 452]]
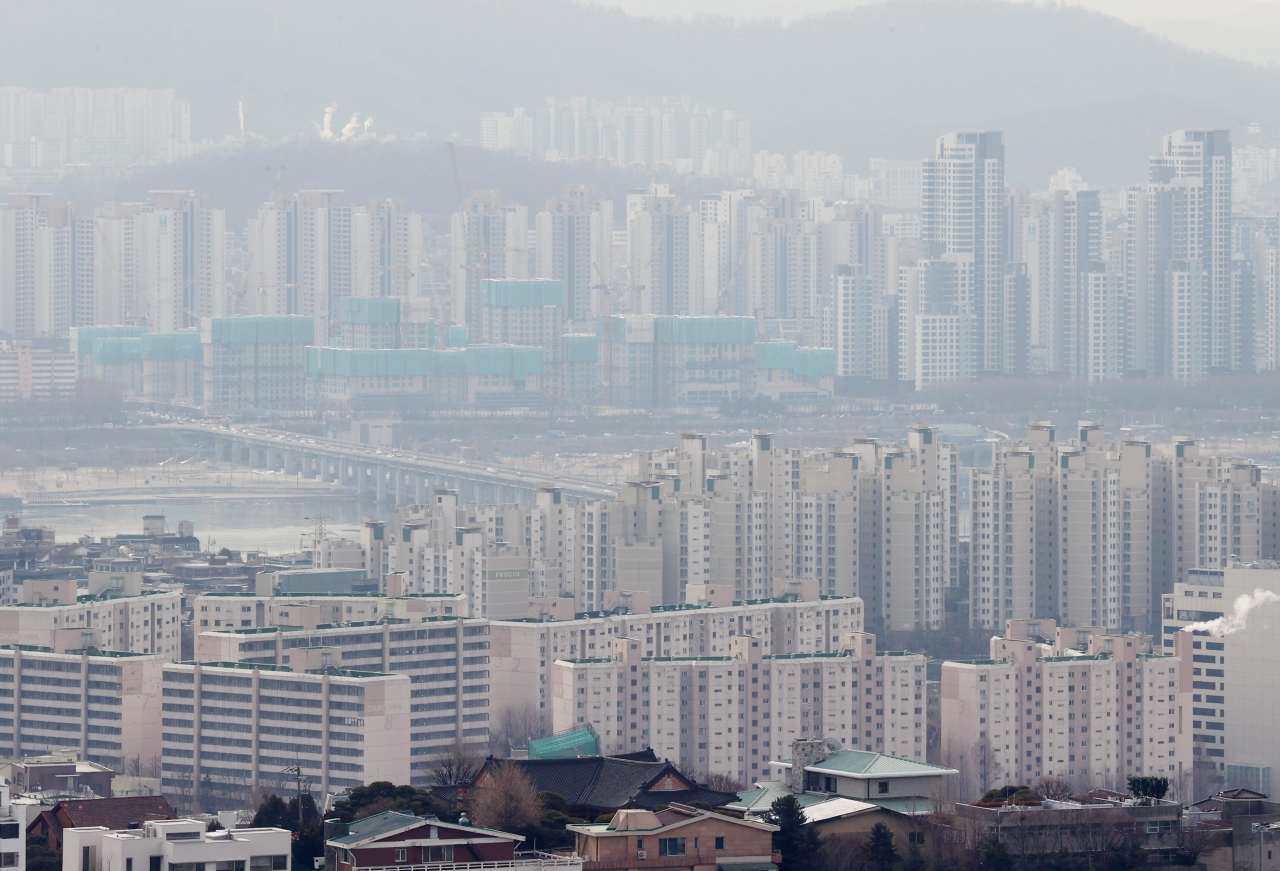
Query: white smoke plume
[[368, 125], [326, 131], [1229, 624], [352, 127]]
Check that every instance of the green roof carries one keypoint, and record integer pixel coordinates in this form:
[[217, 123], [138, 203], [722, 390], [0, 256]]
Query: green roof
[[388, 822], [863, 763], [579, 742], [769, 791]]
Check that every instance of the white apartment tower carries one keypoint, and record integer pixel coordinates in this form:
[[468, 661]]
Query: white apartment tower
[[574, 243], [488, 239], [964, 213]]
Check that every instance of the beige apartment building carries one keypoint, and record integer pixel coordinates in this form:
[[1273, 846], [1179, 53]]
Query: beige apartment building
[[104, 706], [735, 713], [795, 620], [1087, 706], [116, 614], [230, 728]]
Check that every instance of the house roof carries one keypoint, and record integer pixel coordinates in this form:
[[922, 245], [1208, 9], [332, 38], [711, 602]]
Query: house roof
[[629, 821], [866, 765], [910, 805], [112, 813], [1215, 802], [766, 792], [388, 823], [613, 782], [836, 808]]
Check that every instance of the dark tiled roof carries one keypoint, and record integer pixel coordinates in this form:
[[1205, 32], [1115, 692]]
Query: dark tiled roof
[[713, 797], [645, 755], [610, 782], [113, 813]]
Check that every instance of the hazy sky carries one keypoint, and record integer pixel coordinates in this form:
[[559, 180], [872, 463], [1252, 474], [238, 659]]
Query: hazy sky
[[1245, 29]]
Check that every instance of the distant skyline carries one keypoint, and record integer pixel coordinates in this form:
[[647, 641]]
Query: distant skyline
[[1243, 29]]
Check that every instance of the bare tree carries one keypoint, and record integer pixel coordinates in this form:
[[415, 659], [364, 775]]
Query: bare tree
[[1053, 788], [986, 768], [455, 765], [514, 726], [506, 799], [154, 766], [133, 765], [843, 851], [723, 782], [1193, 840]]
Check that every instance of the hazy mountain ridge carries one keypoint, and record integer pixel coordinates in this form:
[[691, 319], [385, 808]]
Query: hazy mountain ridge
[[880, 79], [420, 173]]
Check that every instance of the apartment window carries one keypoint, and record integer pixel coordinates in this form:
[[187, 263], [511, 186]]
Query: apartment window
[[671, 846], [916, 838], [402, 855], [438, 854], [882, 787], [230, 865], [128, 865], [9, 830], [720, 842], [154, 863], [8, 860], [272, 863]]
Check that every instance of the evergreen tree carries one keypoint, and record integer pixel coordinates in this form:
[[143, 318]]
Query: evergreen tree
[[915, 860], [882, 855], [797, 842]]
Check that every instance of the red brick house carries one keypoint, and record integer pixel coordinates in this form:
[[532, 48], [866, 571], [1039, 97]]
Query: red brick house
[[399, 842], [680, 838], [111, 813]]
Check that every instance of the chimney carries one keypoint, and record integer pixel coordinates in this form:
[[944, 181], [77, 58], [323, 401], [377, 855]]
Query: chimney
[[805, 752]]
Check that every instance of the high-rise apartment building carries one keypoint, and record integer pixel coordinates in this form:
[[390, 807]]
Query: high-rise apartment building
[[963, 199], [574, 244], [1085, 705], [665, 238], [488, 239]]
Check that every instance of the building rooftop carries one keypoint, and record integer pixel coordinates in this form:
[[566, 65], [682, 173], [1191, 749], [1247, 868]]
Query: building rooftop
[[865, 764]]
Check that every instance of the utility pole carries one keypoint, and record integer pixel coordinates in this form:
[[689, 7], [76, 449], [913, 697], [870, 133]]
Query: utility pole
[[296, 770]]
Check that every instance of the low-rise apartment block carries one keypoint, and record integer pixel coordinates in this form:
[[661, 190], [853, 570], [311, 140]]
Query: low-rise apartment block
[[117, 614], [103, 706], [229, 728], [223, 611], [446, 663]]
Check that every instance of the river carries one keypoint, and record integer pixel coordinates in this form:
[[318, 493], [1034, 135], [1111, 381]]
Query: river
[[274, 525]]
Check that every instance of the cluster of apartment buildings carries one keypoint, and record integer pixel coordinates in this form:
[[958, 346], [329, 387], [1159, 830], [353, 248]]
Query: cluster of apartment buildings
[[675, 134], [725, 605], [941, 272], [43, 132]]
